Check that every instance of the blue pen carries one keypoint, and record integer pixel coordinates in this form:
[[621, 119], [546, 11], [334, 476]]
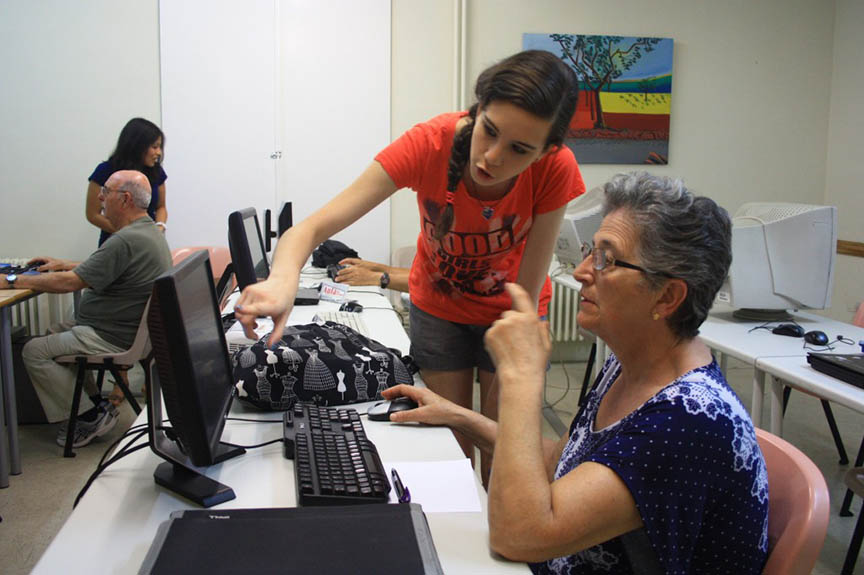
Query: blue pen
[[402, 493]]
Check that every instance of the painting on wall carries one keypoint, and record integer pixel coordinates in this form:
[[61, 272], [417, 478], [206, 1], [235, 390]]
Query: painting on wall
[[625, 95]]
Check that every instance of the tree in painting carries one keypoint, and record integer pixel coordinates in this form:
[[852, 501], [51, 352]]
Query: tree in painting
[[598, 60]]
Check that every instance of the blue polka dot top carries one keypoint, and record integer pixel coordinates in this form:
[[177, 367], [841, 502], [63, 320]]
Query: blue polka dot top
[[690, 459]]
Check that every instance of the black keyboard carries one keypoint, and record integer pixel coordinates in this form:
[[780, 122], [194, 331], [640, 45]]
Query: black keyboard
[[334, 462], [6, 268]]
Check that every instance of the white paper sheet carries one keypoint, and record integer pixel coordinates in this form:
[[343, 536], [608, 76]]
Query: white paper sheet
[[439, 486]]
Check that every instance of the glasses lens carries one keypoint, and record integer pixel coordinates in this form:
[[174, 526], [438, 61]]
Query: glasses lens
[[599, 260]]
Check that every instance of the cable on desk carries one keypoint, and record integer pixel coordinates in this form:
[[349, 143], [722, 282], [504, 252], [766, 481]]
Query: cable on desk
[[253, 420], [126, 450], [768, 325], [278, 440], [127, 433]]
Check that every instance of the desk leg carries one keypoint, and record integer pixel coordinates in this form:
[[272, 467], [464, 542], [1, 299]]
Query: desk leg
[[776, 406], [11, 409], [758, 395], [5, 381]]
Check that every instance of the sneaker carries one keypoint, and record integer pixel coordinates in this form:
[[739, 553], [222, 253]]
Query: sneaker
[[86, 431]]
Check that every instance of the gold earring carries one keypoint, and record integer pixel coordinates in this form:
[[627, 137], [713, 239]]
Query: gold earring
[[656, 316]]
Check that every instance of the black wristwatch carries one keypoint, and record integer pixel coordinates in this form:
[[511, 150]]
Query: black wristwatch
[[10, 279], [385, 280]]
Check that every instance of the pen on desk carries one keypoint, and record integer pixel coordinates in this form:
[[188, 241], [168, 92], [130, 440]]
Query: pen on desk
[[402, 493]]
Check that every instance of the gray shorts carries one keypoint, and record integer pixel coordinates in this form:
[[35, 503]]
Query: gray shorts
[[441, 345]]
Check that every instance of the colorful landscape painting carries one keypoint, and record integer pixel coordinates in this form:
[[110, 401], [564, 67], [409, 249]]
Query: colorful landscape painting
[[625, 95]]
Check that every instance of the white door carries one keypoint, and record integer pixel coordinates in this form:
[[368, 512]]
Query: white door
[[335, 108], [218, 72]]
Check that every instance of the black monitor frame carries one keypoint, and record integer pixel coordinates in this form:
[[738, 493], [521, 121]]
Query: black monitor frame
[[284, 221], [187, 374], [241, 253]]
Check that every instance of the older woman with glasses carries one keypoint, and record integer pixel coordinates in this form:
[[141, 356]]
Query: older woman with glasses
[[660, 471]]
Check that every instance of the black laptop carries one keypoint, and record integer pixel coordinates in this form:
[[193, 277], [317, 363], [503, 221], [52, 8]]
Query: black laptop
[[845, 367]]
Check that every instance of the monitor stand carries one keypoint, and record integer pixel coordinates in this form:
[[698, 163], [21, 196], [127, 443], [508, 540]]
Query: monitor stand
[[185, 481], [763, 315], [177, 473]]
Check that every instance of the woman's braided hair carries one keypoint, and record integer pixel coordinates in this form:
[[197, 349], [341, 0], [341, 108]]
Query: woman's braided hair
[[536, 81]]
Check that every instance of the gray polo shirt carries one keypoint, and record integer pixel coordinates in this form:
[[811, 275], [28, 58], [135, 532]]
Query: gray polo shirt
[[120, 275]]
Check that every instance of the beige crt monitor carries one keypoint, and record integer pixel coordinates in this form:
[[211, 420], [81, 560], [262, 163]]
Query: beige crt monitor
[[783, 257]]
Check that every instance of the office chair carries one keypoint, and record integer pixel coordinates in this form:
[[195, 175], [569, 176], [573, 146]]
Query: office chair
[[798, 507], [113, 362], [220, 257], [220, 263]]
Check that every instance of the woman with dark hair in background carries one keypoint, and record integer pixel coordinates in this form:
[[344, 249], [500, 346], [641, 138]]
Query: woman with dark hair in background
[[492, 185], [139, 147]]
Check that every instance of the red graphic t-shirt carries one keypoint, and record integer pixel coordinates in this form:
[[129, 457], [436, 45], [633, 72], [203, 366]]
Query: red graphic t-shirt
[[461, 279]]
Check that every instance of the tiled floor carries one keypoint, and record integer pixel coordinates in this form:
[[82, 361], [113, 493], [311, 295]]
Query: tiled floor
[[37, 502]]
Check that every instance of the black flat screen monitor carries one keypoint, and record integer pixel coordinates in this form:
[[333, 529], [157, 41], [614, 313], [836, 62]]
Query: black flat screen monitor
[[247, 247], [193, 376], [286, 218]]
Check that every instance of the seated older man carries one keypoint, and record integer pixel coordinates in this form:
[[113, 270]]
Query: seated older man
[[118, 278]]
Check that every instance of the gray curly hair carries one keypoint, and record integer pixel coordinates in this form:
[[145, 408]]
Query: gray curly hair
[[680, 235]]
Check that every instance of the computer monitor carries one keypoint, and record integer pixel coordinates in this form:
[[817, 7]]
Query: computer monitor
[[247, 247], [285, 220], [783, 257], [581, 221], [193, 376]]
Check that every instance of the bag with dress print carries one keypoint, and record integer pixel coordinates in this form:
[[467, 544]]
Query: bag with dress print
[[325, 363]]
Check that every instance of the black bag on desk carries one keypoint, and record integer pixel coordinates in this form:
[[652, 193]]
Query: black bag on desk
[[331, 252], [327, 364]]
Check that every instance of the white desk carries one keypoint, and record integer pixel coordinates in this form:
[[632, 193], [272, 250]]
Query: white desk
[[733, 337], [119, 515], [797, 373]]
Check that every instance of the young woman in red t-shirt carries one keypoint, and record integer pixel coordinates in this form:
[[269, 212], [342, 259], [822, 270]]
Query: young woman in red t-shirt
[[492, 185]]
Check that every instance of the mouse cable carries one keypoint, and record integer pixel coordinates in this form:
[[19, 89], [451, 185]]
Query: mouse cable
[[824, 348], [253, 420], [846, 340], [763, 326], [278, 440]]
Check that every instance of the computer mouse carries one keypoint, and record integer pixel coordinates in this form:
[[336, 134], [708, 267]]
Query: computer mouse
[[381, 411], [816, 337], [351, 306], [333, 270], [790, 329]]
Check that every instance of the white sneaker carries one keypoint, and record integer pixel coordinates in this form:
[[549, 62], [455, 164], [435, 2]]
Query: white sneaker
[[86, 431]]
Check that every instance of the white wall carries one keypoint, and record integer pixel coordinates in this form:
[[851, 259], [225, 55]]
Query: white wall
[[845, 169], [787, 129], [756, 86], [73, 74], [750, 94]]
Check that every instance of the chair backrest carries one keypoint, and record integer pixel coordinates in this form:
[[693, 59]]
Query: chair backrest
[[798, 507], [220, 257], [859, 316]]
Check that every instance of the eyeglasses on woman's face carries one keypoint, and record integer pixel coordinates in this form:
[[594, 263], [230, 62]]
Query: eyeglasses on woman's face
[[601, 259]]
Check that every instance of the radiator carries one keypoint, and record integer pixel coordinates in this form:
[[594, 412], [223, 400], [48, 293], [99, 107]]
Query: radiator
[[562, 314]]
